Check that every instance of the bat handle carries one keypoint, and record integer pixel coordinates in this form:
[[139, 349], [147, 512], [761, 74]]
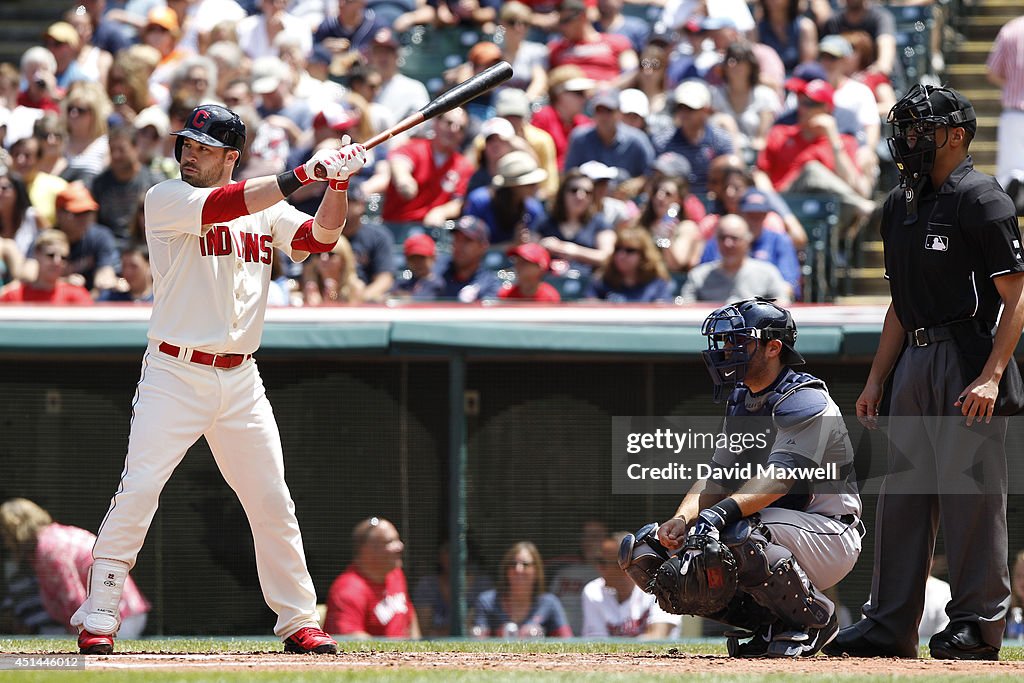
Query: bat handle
[[320, 171]]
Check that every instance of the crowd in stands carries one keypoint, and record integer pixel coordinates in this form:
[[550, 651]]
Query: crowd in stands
[[47, 565], [628, 159]]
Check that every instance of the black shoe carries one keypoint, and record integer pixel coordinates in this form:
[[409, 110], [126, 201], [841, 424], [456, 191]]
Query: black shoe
[[755, 644], [962, 640], [803, 643], [850, 641]]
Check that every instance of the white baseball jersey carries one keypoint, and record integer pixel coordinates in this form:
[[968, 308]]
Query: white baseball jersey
[[604, 615], [210, 282]]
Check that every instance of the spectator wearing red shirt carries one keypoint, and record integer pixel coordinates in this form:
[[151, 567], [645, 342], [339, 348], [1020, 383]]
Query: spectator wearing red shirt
[[531, 261], [604, 57], [428, 178], [51, 252], [39, 73], [370, 599], [567, 93], [812, 156]]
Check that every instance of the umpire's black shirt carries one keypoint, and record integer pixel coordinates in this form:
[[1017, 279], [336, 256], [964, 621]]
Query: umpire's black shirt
[[940, 266]]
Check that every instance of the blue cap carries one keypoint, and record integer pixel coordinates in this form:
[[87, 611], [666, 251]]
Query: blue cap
[[473, 228], [754, 201]]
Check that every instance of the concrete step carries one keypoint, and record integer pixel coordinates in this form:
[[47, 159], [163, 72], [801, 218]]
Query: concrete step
[[872, 254], [984, 27], [864, 300], [1006, 8], [966, 70], [868, 282]]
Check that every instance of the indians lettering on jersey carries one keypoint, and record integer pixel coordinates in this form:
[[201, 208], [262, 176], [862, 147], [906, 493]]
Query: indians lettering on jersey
[[391, 605], [250, 247]]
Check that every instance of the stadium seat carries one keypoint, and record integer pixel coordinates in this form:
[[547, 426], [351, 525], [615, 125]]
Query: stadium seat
[[428, 53], [819, 214], [569, 288]]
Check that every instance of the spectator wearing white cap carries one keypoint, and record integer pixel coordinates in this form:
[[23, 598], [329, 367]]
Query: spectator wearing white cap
[[609, 140], [694, 137], [840, 62], [509, 206], [495, 139], [256, 33], [273, 83], [513, 105], [635, 108], [616, 212], [153, 127]]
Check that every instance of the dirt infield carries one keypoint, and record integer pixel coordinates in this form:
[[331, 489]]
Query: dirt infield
[[671, 663]]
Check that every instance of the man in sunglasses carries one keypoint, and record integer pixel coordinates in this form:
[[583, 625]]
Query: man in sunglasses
[[51, 252], [762, 528], [952, 258]]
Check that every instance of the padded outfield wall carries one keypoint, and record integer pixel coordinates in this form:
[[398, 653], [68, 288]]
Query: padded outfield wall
[[363, 397]]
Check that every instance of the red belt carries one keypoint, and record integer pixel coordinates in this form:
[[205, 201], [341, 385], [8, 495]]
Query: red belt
[[222, 360]]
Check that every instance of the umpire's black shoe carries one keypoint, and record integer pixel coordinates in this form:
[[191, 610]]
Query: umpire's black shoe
[[850, 641], [961, 640]]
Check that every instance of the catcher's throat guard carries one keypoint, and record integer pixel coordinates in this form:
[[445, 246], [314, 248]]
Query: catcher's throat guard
[[641, 554]]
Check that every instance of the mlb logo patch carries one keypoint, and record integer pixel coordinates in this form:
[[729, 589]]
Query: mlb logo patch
[[936, 242]]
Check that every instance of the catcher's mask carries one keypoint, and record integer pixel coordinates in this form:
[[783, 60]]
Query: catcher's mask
[[917, 120], [734, 333], [641, 554]]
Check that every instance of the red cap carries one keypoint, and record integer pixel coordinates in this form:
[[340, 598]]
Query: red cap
[[532, 252], [337, 117], [819, 91], [76, 198], [419, 245]]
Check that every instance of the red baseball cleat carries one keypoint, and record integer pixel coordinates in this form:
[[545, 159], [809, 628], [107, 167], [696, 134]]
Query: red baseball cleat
[[310, 640], [95, 643]]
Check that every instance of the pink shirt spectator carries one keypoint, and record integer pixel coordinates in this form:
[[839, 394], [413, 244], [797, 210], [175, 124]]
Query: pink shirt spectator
[[1007, 61], [62, 560]]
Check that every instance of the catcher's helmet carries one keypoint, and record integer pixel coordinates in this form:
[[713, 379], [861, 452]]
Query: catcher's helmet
[[920, 114], [730, 329], [212, 125]]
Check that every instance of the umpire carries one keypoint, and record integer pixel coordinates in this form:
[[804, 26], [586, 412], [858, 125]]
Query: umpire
[[952, 256]]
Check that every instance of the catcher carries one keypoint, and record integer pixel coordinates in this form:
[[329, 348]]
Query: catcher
[[757, 553]]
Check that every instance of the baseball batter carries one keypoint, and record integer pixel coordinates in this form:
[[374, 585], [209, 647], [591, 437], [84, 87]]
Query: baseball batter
[[211, 244], [757, 553]]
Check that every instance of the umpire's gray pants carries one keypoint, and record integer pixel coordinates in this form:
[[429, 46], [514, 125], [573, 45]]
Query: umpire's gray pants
[[926, 383]]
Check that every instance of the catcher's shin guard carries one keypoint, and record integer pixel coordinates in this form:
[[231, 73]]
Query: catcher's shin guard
[[771, 574], [106, 582]]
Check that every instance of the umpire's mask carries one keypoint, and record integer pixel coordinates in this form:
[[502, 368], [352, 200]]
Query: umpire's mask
[[920, 125]]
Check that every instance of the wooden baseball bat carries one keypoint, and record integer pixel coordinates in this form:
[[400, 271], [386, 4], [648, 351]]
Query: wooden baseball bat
[[456, 97]]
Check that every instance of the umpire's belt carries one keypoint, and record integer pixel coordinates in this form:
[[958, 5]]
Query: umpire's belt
[[217, 360], [923, 336]]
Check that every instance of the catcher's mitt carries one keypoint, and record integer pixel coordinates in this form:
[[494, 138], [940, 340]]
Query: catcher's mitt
[[709, 581]]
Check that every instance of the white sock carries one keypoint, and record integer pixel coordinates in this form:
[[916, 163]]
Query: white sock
[[107, 579]]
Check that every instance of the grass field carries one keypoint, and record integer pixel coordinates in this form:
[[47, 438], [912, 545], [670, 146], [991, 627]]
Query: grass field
[[259, 659]]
